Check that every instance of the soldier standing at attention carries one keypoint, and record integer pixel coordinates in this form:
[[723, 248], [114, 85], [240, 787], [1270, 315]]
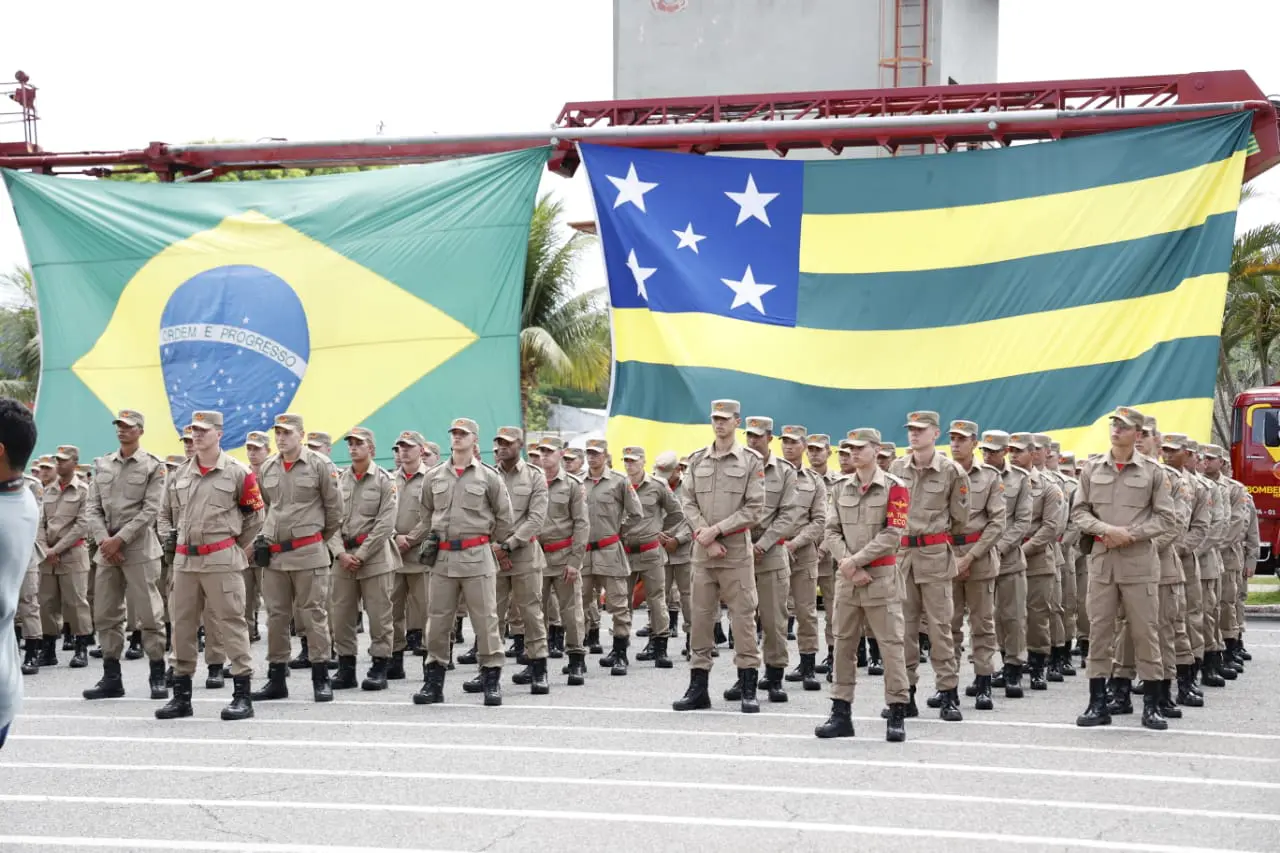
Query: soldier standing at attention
[[64, 575], [1188, 636], [220, 512], [564, 545], [867, 518], [1236, 500], [1065, 465], [123, 507], [1214, 672], [366, 562], [409, 590], [465, 508], [1039, 546], [304, 511], [257, 446], [818, 449], [1124, 505], [678, 546], [642, 537], [1011, 583], [723, 499], [802, 548], [978, 564], [610, 503], [939, 511], [573, 463]]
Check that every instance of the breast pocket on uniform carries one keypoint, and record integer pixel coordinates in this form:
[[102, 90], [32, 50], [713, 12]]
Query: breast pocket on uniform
[[934, 494], [847, 508], [1102, 488], [135, 485], [1134, 489], [735, 479], [223, 493], [306, 485], [183, 489], [520, 498], [473, 496]]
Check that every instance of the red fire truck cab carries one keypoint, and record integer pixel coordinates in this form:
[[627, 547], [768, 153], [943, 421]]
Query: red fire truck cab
[[1255, 461]]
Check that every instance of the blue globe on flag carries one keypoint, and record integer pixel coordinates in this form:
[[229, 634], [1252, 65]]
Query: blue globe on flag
[[233, 339]]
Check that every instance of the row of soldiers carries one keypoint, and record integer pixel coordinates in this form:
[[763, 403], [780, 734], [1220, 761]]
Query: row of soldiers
[[900, 548]]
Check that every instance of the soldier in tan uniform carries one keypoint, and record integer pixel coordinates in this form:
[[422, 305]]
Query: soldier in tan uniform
[[573, 460], [465, 509], [64, 574], [1214, 671], [939, 511], [1059, 660], [642, 537], [257, 446], [220, 512], [1011, 582], [1237, 512], [977, 563], [678, 547], [818, 449], [1124, 505], [564, 545], [304, 512], [409, 590], [27, 623], [802, 549], [1072, 591], [1188, 626], [864, 527], [1039, 546], [723, 499], [122, 509]]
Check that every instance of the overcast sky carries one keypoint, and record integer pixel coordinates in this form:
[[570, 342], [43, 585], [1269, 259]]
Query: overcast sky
[[122, 80]]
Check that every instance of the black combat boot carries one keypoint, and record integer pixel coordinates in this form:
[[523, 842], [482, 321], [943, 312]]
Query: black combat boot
[[155, 680], [321, 688], [539, 686], [577, 669], [469, 656], [524, 676], [277, 686], [168, 636], [1082, 648], [432, 690], [134, 652], [1096, 714], [492, 676], [839, 724], [972, 689], [607, 661], [1121, 701], [895, 729], [749, 677], [215, 680], [1036, 661], [31, 657], [734, 693], [1054, 671], [1185, 695], [111, 686], [168, 677], [646, 654], [180, 704], [643, 632], [875, 665], [80, 659], [673, 623], [593, 641], [457, 632], [997, 678], [395, 669], [1233, 658], [555, 641], [791, 627], [346, 677], [695, 697], [772, 684], [808, 668], [1064, 661], [1209, 675], [303, 660], [717, 633], [824, 666], [687, 652], [862, 652], [950, 710], [254, 634], [48, 651], [376, 677], [1013, 681], [474, 685], [413, 641], [241, 707], [1151, 716], [1244, 653], [934, 701], [516, 649], [660, 659], [1225, 669], [68, 641], [620, 662], [982, 698], [1168, 709]]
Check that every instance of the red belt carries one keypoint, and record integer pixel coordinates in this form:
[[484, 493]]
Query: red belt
[[883, 561], [279, 547], [736, 532], [76, 544], [354, 541], [603, 543], [926, 539], [966, 538], [203, 550], [463, 544], [552, 547], [640, 549]]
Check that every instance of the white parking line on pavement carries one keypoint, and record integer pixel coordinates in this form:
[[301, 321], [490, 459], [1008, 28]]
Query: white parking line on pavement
[[663, 756], [925, 740], [648, 784], [46, 841], [691, 715], [914, 833]]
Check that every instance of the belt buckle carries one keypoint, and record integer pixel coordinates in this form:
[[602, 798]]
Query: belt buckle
[[454, 544]]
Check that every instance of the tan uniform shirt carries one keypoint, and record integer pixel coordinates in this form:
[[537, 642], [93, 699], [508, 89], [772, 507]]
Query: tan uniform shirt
[[1200, 515], [830, 478], [986, 520], [781, 518], [1132, 496], [724, 490], [1017, 519], [939, 505], [683, 533], [1252, 540], [660, 514], [64, 525], [1071, 535], [408, 504], [1238, 516], [38, 553], [1208, 559], [369, 510], [301, 502], [867, 523], [461, 506], [610, 502], [1047, 524], [125, 496], [223, 503], [1166, 550], [566, 520], [527, 486], [811, 499]]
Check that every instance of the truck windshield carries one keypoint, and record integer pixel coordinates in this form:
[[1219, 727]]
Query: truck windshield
[[1266, 427]]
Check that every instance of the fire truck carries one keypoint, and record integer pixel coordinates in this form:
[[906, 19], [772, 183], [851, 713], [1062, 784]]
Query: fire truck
[[1255, 461]]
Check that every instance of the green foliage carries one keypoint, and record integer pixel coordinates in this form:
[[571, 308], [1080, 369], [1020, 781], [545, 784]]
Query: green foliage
[[537, 411], [20, 340], [594, 399]]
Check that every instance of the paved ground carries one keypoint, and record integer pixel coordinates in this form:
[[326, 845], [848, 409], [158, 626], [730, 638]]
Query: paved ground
[[610, 766]]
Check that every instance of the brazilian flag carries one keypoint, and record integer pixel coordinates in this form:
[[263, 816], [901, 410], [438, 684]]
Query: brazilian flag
[[388, 299]]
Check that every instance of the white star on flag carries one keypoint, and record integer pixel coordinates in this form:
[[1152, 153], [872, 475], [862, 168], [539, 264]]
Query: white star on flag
[[747, 292], [751, 203], [630, 189], [640, 274], [688, 238]]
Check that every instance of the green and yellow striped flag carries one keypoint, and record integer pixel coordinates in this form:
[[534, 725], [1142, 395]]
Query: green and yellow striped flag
[[1029, 289]]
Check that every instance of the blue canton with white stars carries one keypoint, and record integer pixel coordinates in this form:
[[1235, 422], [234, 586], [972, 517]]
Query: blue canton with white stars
[[690, 233]]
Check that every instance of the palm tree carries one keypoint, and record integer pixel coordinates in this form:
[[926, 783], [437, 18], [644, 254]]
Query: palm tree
[[564, 334], [19, 338]]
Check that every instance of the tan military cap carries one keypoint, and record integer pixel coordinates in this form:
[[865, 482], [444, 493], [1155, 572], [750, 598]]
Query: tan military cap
[[888, 449], [174, 461], [1056, 447], [187, 434], [257, 439], [512, 434], [1174, 441], [1022, 441], [818, 440], [464, 425], [67, 451], [533, 451], [597, 445], [794, 433], [289, 422], [47, 462], [666, 462], [923, 419], [1067, 458], [412, 437], [1193, 445], [1213, 451], [432, 447], [319, 439], [572, 453], [861, 437], [206, 420], [1129, 415], [1041, 440], [684, 462], [551, 442], [633, 454], [360, 434], [1149, 423], [759, 426], [995, 440], [84, 470], [965, 428], [725, 408], [129, 417]]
